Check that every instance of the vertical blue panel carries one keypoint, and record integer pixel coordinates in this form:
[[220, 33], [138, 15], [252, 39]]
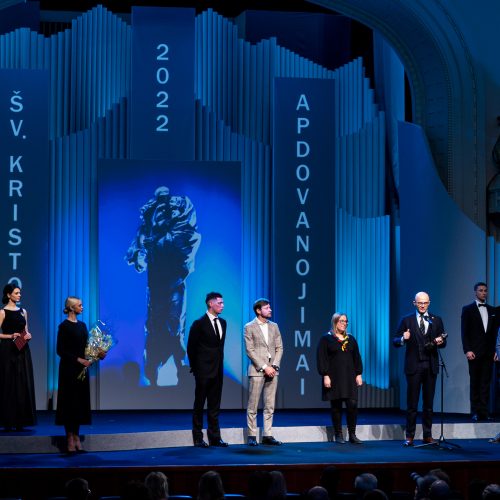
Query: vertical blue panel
[[303, 291], [162, 96], [24, 154]]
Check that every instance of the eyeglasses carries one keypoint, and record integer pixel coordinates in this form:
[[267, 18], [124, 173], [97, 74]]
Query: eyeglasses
[[422, 303], [343, 321]]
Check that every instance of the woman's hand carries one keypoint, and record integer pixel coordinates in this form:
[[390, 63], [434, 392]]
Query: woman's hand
[[359, 380], [101, 354], [327, 382], [15, 335], [27, 336], [84, 362]]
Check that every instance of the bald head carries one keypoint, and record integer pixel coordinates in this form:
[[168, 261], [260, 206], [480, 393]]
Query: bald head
[[421, 302]]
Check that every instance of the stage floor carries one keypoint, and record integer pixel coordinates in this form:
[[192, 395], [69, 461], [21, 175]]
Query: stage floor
[[126, 445], [125, 431], [370, 452]]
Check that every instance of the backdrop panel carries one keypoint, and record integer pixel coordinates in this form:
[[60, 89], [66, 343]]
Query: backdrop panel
[[169, 232], [442, 252], [24, 203], [162, 92], [303, 230]]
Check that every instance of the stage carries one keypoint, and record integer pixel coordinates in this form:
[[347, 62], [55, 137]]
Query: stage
[[124, 445]]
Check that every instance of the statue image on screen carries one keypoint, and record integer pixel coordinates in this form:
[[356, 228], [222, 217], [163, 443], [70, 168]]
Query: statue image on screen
[[165, 246]]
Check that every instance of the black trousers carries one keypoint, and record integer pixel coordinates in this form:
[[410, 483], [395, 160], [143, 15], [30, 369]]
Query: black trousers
[[209, 390], [423, 380], [480, 378], [351, 417]]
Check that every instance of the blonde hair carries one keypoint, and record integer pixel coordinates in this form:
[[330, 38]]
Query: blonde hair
[[69, 303], [335, 319]]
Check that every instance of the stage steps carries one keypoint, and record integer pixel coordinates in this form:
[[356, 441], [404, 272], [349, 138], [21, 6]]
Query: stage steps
[[26, 442]]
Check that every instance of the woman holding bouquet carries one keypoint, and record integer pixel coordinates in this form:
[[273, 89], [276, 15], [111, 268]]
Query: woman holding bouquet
[[73, 400], [17, 388]]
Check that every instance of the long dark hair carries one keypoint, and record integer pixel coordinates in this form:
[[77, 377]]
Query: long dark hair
[[7, 290]]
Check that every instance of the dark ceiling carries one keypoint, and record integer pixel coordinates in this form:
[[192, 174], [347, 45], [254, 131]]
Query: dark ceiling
[[227, 8]]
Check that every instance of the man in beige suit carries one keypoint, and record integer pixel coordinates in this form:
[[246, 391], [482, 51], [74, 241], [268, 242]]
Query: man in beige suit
[[264, 347]]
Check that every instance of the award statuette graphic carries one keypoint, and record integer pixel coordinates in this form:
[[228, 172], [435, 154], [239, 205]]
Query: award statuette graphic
[[165, 246]]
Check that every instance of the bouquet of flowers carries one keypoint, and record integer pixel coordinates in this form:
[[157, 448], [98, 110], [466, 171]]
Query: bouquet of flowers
[[99, 343]]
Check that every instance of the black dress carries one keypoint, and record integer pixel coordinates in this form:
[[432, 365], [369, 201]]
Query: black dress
[[17, 387], [73, 399], [341, 365]]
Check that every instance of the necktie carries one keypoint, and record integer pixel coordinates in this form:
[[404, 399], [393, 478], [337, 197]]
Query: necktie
[[217, 331], [421, 325]]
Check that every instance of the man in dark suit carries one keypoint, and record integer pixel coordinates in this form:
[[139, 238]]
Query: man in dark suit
[[479, 331], [421, 333], [205, 351]]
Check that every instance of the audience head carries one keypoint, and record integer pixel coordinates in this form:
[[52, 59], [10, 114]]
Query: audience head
[[277, 490], [475, 489], [259, 484], [363, 483], [439, 490], [157, 485], [424, 485], [135, 490], [491, 492], [375, 494], [330, 480], [317, 493], [210, 486], [441, 474], [77, 489]]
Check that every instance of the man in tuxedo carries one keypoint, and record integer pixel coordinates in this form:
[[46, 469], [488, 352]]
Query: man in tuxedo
[[264, 348], [479, 331], [205, 351], [421, 334]]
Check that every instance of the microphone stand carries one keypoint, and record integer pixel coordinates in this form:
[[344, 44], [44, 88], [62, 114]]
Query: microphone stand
[[441, 443]]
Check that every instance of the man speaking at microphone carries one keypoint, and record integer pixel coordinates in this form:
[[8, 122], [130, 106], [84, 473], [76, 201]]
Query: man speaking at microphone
[[422, 334]]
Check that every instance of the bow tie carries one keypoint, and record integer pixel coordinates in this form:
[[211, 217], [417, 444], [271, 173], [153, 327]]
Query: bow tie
[[481, 305]]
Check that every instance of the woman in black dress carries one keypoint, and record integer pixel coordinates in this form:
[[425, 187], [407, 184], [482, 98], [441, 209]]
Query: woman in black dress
[[340, 365], [17, 388], [73, 399]]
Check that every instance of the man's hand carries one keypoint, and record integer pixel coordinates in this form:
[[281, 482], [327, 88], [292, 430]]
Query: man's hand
[[470, 355], [359, 380], [269, 371], [327, 382], [438, 340], [406, 335]]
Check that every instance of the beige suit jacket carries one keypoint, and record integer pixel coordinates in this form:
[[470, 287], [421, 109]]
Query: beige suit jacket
[[258, 351]]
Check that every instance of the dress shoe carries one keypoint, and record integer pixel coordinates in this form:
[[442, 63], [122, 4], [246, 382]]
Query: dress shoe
[[408, 441], [252, 441], [354, 439], [219, 443], [200, 444], [270, 440], [339, 439], [428, 440], [496, 439]]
